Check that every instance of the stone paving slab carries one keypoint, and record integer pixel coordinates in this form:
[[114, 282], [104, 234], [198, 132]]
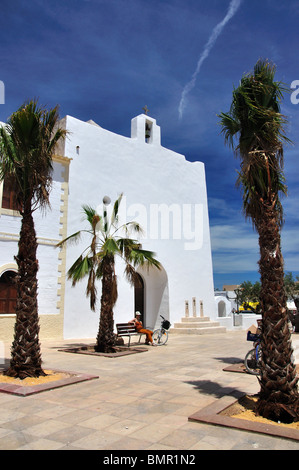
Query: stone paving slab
[[26, 390], [139, 402], [212, 415]]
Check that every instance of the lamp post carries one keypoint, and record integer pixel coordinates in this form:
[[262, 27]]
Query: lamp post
[[106, 202]]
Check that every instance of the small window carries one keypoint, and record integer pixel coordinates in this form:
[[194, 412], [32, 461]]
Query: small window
[[8, 197], [8, 292]]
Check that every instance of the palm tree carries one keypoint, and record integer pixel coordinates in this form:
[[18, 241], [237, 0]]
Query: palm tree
[[255, 120], [27, 144], [97, 261]]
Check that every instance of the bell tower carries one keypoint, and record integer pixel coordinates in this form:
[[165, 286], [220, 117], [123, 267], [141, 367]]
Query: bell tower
[[145, 129]]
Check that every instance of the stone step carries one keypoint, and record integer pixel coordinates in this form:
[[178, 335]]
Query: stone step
[[198, 331], [194, 319], [203, 324], [197, 326]]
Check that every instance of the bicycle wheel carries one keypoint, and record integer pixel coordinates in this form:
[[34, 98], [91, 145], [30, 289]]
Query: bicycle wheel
[[251, 362], [160, 337]]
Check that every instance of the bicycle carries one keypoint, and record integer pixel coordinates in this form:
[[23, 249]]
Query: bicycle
[[160, 335], [253, 357]]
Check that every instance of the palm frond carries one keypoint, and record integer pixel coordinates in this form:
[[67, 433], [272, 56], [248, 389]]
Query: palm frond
[[79, 269], [27, 146], [139, 257], [126, 244], [109, 247], [256, 121], [71, 239], [89, 213], [149, 259], [91, 290], [131, 274], [114, 215], [133, 227], [229, 128], [101, 252]]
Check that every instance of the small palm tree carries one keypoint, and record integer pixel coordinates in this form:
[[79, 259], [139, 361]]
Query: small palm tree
[[98, 262], [255, 120], [27, 144]]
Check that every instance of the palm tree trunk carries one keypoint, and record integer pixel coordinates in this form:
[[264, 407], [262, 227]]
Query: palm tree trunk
[[26, 355], [278, 397], [105, 339]]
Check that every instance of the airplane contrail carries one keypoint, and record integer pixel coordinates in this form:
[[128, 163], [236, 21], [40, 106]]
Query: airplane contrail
[[232, 9]]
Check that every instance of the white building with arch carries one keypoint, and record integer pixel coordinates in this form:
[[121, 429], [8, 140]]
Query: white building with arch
[[223, 306], [161, 190], [50, 228]]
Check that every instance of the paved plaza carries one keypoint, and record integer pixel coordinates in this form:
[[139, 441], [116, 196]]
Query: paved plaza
[[138, 402]]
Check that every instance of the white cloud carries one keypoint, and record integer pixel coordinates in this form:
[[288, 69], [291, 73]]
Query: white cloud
[[233, 238], [235, 263], [232, 9], [234, 248]]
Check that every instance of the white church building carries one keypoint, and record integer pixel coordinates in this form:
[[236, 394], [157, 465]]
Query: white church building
[[161, 190]]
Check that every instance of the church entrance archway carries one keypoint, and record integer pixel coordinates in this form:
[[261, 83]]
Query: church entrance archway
[[139, 296], [153, 297]]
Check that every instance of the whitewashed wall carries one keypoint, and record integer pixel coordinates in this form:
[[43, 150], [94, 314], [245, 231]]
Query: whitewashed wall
[[104, 163], [47, 226]]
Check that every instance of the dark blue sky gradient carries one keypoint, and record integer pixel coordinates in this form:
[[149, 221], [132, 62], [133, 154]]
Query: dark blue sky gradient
[[105, 59]]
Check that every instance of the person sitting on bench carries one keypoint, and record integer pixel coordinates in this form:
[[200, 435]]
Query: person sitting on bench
[[139, 328]]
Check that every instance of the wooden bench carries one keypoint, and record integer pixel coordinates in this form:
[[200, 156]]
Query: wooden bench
[[127, 329]]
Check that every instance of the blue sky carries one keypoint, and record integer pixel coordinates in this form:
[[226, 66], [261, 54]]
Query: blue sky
[[105, 59]]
